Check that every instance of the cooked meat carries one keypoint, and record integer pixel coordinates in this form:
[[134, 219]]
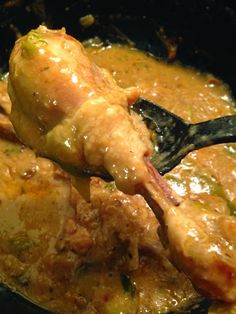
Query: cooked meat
[[56, 248], [73, 111], [70, 110], [201, 243]]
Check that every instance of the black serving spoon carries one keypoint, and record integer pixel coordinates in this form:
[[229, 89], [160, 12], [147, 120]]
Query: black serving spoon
[[174, 138]]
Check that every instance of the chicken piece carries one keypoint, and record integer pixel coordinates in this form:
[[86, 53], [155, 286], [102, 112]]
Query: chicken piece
[[203, 243], [199, 242], [70, 110]]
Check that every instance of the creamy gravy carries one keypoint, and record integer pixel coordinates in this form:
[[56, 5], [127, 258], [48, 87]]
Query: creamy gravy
[[193, 96], [105, 257]]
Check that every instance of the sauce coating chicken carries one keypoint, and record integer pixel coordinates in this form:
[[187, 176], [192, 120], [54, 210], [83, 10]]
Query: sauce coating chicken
[[200, 243], [70, 110]]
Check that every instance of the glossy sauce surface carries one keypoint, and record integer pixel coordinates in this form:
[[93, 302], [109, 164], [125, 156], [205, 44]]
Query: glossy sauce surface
[[104, 256], [193, 96]]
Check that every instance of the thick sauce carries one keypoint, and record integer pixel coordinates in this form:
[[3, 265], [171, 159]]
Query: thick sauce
[[195, 97], [104, 256]]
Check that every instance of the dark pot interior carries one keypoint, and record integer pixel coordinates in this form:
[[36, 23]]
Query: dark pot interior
[[205, 32]]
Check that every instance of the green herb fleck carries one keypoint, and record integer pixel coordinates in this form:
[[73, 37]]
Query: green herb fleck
[[12, 149], [232, 208], [80, 270], [216, 189], [110, 186], [23, 280], [33, 41], [127, 284], [210, 185], [173, 179], [20, 243], [177, 184]]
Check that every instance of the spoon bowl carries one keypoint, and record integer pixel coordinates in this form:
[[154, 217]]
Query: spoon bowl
[[173, 138]]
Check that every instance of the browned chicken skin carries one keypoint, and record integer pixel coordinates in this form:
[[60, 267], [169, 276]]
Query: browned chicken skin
[[70, 110]]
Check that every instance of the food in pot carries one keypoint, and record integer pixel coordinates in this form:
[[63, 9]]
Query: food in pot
[[186, 74]]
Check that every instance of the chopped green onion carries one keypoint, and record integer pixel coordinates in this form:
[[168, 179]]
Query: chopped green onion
[[23, 280], [20, 243], [32, 42], [110, 186]]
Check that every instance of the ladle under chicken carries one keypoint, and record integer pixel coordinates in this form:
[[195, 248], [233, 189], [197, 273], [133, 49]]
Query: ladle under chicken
[[72, 111]]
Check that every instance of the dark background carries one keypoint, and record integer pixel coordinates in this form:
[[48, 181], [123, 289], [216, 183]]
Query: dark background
[[204, 31]]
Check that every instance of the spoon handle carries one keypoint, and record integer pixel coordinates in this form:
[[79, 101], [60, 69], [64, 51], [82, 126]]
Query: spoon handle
[[220, 130]]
